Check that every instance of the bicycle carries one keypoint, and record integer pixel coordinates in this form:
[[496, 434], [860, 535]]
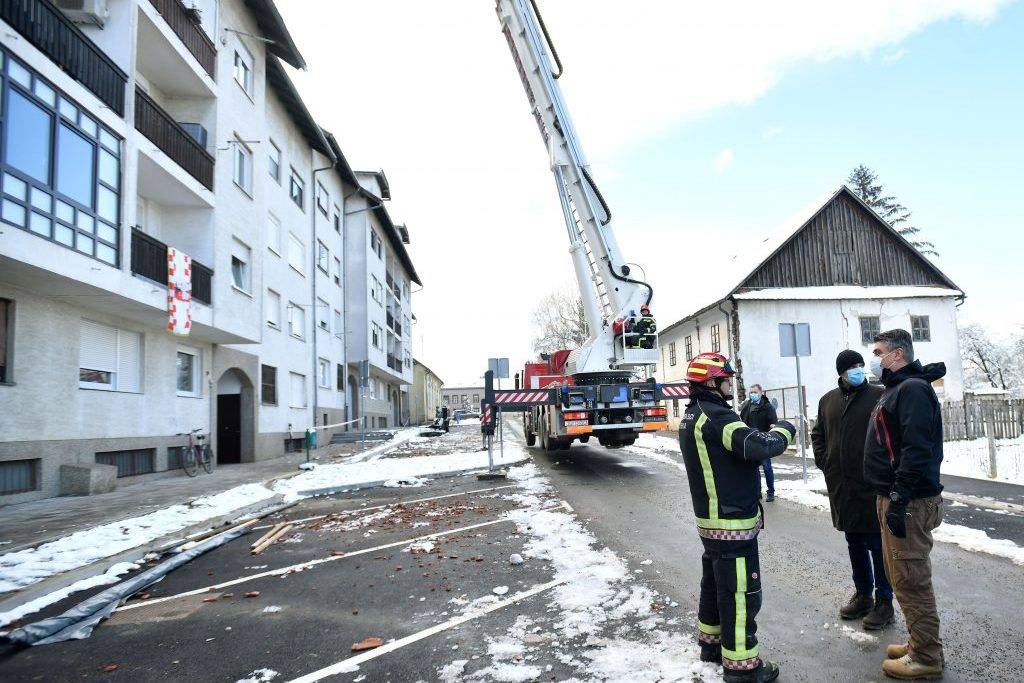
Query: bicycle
[[196, 453]]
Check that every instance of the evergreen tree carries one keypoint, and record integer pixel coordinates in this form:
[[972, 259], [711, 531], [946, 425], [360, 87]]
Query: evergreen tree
[[864, 182]]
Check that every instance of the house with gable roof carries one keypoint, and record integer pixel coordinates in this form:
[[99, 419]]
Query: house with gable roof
[[843, 270]]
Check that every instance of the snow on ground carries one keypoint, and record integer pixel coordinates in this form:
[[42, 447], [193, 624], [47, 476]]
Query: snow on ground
[[260, 676], [598, 605], [111, 576], [971, 459], [25, 567]]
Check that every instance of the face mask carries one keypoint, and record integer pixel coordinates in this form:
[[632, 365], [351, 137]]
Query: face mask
[[755, 397], [855, 376], [876, 365]]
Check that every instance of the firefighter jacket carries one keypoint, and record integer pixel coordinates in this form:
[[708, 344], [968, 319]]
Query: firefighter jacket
[[903, 449], [722, 456]]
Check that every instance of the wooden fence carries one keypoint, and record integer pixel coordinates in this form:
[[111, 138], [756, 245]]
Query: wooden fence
[[973, 418]]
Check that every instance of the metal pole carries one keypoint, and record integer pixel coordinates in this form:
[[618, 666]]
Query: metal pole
[[362, 410], [800, 402], [501, 433], [990, 431]]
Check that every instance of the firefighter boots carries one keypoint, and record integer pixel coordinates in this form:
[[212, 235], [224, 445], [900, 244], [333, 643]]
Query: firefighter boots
[[908, 669], [764, 673], [881, 616], [857, 607], [711, 652]]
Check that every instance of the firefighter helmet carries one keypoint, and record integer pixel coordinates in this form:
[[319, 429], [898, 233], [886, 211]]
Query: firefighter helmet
[[705, 366]]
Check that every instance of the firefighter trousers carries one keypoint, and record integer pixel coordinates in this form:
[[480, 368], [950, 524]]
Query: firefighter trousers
[[730, 598]]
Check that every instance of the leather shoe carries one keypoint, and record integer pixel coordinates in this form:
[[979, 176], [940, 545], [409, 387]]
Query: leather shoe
[[858, 606]]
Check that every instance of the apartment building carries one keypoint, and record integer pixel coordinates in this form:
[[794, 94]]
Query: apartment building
[[164, 131], [462, 397], [378, 296]]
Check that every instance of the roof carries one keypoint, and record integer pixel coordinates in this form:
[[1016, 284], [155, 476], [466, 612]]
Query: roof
[[424, 366], [741, 266], [341, 165], [296, 108], [273, 27], [845, 292]]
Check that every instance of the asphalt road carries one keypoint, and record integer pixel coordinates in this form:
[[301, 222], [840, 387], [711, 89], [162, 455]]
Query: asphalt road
[[641, 509]]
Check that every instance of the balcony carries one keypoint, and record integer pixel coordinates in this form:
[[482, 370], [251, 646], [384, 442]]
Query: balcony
[[48, 29], [149, 260], [186, 26], [391, 320], [171, 138]]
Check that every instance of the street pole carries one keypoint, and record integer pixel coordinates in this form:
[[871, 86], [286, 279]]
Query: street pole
[[362, 410], [800, 401]]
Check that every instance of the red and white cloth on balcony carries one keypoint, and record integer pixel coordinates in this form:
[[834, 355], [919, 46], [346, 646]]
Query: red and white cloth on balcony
[[179, 292]]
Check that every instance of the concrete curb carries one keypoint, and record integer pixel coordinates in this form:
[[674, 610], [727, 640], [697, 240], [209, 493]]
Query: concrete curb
[[59, 581]]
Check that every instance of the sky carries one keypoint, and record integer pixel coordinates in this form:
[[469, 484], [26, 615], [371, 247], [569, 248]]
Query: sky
[[706, 125]]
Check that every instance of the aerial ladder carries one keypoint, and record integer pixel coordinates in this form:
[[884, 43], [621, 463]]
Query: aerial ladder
[[587, 391]]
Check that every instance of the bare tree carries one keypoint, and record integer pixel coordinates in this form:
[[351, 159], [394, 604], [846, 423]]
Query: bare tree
[[559, 322], [985, 360]]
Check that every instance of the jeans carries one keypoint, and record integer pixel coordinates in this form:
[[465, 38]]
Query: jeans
[[868, 564], [769, 475]]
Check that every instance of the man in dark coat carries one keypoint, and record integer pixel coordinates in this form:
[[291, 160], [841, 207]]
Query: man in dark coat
[[758, 413], [838, 441], [902, 459]]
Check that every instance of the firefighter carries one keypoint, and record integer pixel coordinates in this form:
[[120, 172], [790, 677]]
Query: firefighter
[[646, 326], [722, 457]]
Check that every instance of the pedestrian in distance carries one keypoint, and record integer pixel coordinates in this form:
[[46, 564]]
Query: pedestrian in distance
[[902, 457], [838, 442], [758, 412], [722, 456]]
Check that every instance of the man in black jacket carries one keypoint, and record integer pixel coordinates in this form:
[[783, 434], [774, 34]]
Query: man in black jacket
[[758, 412], [902, 456], [838, 441], [722, 455]]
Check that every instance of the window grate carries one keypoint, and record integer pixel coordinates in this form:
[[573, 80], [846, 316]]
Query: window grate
[[129, 463], [19, 476]]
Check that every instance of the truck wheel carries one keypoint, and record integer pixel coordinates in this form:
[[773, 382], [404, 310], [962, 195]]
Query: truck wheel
[[584, 439], [545, 441], [531, 436]]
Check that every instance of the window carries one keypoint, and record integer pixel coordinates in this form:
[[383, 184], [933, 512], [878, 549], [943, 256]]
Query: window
[[187, 368], [323, 198], [296, 250], [376, 334], [298, 387], [274, 162], [689, 348], [716, 339], [337, 219], [241, 255], [129, 463], [337, 271], [337, 323], [463, 398], [476, 398], [671, 353], [869, 327], [273, 234], [375, 245], [376, 292], [405, 325], [297, 190], [60, 169], [444, 399], [243, 69], [242, 166], [323, 313], [296, 320], [323, 257], [268, 385], [921, 328], [323, 378], [6, 340], [109, 358], [19, 476], [273, 306]]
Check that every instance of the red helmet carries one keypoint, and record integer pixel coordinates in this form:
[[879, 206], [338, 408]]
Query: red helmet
[[705, 366], [644, 308]]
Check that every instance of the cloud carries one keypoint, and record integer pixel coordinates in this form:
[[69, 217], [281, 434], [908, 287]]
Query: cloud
[[772, 132], [723, 161], [895, 56]]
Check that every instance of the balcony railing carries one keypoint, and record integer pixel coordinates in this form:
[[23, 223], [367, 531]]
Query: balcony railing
[[186, 26], [149, 259], [43, 25], [171, 138]]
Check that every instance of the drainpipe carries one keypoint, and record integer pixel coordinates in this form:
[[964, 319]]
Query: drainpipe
[[732, 351], [312, 283]]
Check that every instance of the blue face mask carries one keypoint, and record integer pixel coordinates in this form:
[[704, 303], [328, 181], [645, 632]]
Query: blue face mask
[[855, 376], [755, 397]]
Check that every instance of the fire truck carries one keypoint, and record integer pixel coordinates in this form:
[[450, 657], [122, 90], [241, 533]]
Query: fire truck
[[589, 391]]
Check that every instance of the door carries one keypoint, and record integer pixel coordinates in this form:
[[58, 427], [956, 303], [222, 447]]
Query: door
[[229, 429]]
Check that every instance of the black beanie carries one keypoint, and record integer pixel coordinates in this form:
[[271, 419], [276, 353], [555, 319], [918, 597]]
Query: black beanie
[[846, 360]]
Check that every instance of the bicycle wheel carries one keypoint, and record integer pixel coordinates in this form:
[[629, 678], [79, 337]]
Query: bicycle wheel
[[207, 459], [189, 462]]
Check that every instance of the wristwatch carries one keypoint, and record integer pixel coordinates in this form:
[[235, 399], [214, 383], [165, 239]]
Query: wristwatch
[[896, 498]]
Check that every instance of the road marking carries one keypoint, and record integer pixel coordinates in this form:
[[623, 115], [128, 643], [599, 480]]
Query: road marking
[[379, 507], [566, 505], [345, 665], [984, 503], [304, 565]]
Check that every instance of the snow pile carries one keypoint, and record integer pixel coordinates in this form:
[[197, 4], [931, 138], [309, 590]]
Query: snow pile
[[976, 539], [25, 567], [260, 676], [111, 576], [812, 494]]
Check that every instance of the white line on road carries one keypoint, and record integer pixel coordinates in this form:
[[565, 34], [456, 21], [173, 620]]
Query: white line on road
[[566, 505], [388, 505], [345, 665], [304, 565]]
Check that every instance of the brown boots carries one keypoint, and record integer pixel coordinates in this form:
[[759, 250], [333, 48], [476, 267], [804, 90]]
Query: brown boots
[[857, 607], [908, 669]]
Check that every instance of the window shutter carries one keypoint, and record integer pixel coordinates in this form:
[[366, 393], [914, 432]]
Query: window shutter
[[298, 390], [97, 348], [129, 361]]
